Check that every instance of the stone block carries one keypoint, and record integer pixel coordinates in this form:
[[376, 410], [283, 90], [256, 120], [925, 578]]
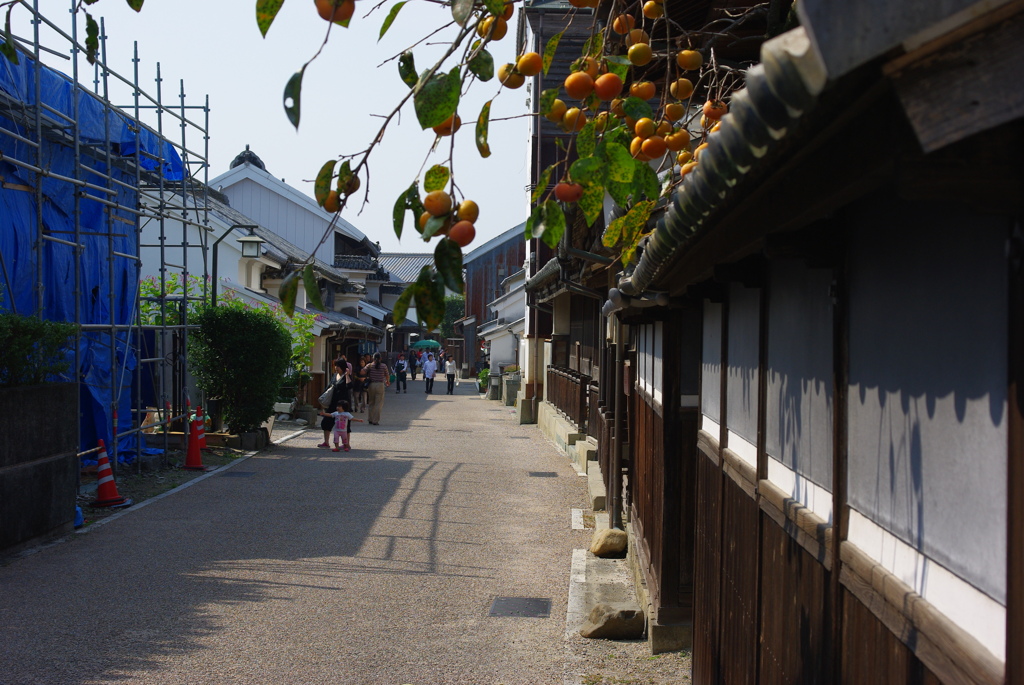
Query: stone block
[[614, 621], [610, 542], [595, 487]]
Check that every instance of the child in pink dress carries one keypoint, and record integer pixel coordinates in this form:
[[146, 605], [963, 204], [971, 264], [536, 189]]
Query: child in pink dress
[[341, 419]]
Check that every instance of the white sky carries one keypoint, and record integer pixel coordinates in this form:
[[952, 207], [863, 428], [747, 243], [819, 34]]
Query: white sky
[[215, 47]]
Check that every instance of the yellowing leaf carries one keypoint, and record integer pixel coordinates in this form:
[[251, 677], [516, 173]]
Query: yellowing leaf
[[266, 11], [323, 182], [481, 130]]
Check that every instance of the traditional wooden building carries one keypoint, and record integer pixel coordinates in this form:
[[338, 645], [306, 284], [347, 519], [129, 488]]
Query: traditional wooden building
[[821, 350]]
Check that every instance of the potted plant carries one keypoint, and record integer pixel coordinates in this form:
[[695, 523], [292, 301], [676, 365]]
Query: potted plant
[[239, 356], [482, 379]]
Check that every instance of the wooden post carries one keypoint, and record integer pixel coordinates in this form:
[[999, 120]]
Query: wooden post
[[1015, 464]]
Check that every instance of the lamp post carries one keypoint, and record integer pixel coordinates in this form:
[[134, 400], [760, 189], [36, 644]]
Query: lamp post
[[250, 248]]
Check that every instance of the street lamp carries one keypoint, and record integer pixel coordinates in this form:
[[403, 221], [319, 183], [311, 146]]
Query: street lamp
[[249, 240], [251, 246]]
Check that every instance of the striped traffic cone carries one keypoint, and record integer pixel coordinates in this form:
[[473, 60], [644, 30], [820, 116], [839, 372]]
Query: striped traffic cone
[[106, 488], [193, 458], [200, 425]]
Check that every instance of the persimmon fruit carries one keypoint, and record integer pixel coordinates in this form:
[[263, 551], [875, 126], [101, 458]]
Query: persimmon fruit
[[437, 203], [637, 36], [462, 232], [579, 85], [557, 111], [335, 10], [623, 24], [715, 109], [640, 54], [468, 211], [689, 60], [674, 111], [530, 64], [332, 203], [568, 192], [644, 90], [574, 120], [509, 77], [608, 86], [681, 88], [449, 125], [653, 10], [654, 147]]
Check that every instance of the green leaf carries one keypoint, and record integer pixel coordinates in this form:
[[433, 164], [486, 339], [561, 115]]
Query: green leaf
[[646, 181], [402, 304], [586, 141], [554, 224], [542, 183], [398, 213], [92, 38], [626, 227], [137, 4], [266, 11], [429, 296], [448, 260], [344, 178], [594, 45], [495, 7], [592, 202], [293, 93], [436, 98], [287, 291], [620, 192], [435, 224], [636, 108], [547, 100], [621, 165], [629, 251], [482, 123], [587, 170], [461, 11], [482, 65], [436, 178], [312, 289], [619, 136], [388, 20], [619, 65], [547, 222], [407, 69], [322, 186], [549, 50], [415, 205], [7, 49]]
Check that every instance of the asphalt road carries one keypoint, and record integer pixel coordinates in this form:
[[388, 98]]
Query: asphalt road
[[300, 565]]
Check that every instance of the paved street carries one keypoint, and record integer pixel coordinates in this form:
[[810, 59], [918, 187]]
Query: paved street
[[300, 565]]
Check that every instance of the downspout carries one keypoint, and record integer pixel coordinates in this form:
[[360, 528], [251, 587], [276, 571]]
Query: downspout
[[615, 477]]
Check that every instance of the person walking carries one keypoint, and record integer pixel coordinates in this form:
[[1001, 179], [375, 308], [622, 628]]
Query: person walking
[[429, 369], [401, 367], [413, 363], [342, 383], [378, 376], [449, 371], [359, 387]]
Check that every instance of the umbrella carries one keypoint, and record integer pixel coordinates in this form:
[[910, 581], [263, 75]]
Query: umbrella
[[426, 345]]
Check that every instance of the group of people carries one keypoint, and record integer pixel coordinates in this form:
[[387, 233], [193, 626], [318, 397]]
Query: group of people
[[425, 362], [362, 388]]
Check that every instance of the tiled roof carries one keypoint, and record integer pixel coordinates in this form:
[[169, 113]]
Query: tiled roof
[[778, 91], [405, 268]]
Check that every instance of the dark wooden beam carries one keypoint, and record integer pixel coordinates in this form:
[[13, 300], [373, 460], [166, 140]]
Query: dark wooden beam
[[1015, 464]]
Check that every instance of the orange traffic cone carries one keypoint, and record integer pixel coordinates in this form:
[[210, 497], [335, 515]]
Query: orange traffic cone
[[194, 459], [106, 490], [201, 427]]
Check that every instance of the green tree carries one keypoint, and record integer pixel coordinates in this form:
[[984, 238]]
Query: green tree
[[454, 309], [240, 355]]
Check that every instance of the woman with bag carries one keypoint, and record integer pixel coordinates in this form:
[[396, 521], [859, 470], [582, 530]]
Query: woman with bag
[[340, 391], [379, 377]]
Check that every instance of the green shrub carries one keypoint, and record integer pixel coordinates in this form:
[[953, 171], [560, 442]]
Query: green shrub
[[34, 349], [240, 356], [511, 368]]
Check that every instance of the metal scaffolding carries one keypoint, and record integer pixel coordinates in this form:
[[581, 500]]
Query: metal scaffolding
[[111, 190]]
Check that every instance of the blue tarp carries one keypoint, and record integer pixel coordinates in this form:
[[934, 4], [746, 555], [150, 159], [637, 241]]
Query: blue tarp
[[103, 230]]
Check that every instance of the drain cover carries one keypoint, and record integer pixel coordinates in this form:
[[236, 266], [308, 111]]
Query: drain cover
[[237, 474], [521, 607], [542, 474]]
